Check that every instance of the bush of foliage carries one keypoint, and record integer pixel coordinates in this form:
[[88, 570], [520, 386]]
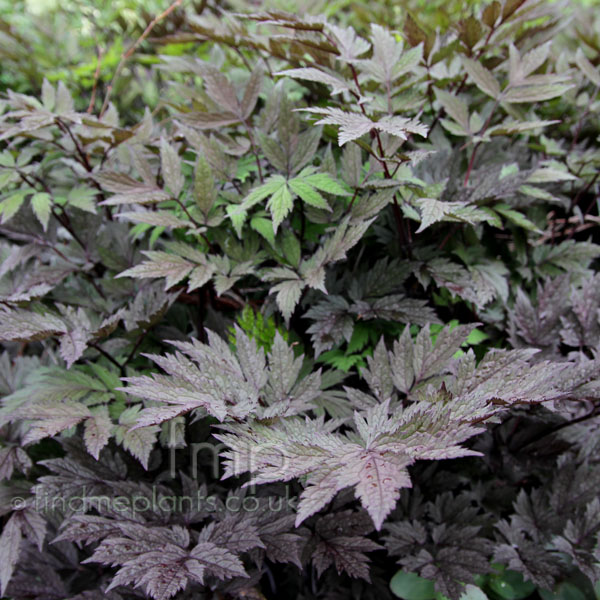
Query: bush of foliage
[[321, 322]]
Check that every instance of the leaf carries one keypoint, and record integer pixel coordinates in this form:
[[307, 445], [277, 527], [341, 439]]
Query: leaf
[[118, 183], [97, 432], [389, 62], [510, 585], [379, 480], [200, 376], [455, 107], [521, 68], [509, 127], [82, 198], [48, 95], [491, 13], [220, 89], [516, 217], [139, 441], [171, 167], [401, 361], [270, 187], [10, 205], [42, 206], [355, 125], [323, 182], [222, 563], [432, 210], [352, 165], [10, 545], [73, 344], [564, 591], [280, 204], [264, 226], [252, 91], [586, 67], [50, 418], [484, 80], [308, 194], [339, 540], [550, 174], [161, 264], [535, 93], [288, 295], [291, 248], [64, 101], [24, 325], [333, 80], [156, 218], [11, 458], [410, 586], [204, 185]]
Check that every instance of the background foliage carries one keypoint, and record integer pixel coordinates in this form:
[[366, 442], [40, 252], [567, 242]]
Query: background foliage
[[347, 249]]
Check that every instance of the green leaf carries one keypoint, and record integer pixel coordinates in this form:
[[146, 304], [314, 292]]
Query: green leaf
[[324, 182], [477, 337], [10, 206], [472, 592], [268, 188], [516, 217], [510, 585], [204, 185], [7, 159], [41, 203], [308, 194], [238, 217], [409, 586], [564, 591], [264, 227], [359, 339], [82, 198], [291, 248], [280, 204]]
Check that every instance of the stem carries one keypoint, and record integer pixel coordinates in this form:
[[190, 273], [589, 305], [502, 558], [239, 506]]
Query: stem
[[59, 253], [96, 78], [196, 223], [400, 227], [481, 132], [302, 222], [582, 119], [26, 179], [86, 163], [446, 239], [463, 82], [64, 220], [582, 191], [135, 347], [593, 413], [84, 158], [125, 56], [108, 356], [254, 151], [352, 201], [244, 59], [187, 212]]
